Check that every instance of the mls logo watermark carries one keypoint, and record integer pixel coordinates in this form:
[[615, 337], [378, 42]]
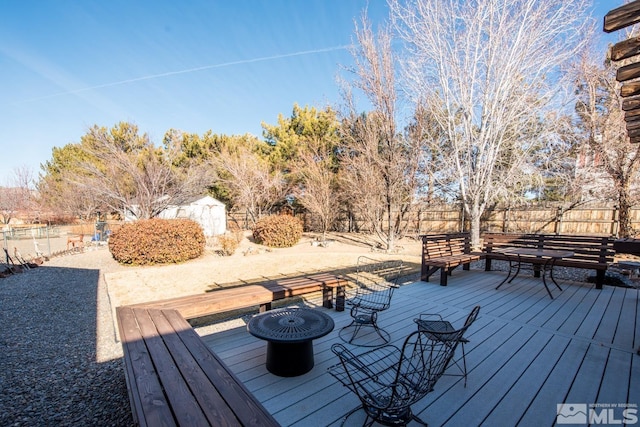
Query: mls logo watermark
[[597, 413], [572, 413]]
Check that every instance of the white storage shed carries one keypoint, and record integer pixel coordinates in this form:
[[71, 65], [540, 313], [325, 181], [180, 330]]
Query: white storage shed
[[208, 212]]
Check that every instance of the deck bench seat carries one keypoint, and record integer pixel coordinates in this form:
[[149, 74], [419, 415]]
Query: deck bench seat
[[324, 282], [590, 252], [262, 295], [445, 252], [219, 301], [175, 380]]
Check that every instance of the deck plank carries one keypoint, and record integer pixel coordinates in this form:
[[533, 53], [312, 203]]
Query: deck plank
[[542, 408], [610, 319], [588, 377], [518, 398], [634, 381], [573, 321], [527, 353], [498, 379], [590, 325], [614, 388], [627, 321]]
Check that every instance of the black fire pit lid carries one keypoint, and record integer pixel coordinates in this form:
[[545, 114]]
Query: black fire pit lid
[[290, 325]]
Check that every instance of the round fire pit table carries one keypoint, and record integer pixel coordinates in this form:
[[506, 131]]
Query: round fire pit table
[[289, 333]]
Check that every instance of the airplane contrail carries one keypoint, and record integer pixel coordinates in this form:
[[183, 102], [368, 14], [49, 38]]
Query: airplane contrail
[[190, 70]]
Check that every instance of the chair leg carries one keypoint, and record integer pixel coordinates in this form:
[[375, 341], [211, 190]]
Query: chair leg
[[351, 412], [356, 328], [379, 331], [462, 368], [418, 420], [355, 331], [357, 324], [464, 364]]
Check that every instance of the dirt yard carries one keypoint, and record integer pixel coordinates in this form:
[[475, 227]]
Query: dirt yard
[[250, 263]]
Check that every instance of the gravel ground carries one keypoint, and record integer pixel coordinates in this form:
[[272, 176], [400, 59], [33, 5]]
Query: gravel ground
[[52, 373]]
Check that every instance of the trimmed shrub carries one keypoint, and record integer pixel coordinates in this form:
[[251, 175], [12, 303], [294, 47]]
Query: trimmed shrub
[[278, 231], [229, 242], [157, 241]]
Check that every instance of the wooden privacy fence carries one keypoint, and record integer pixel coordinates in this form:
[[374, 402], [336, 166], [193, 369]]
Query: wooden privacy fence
[[447, 219], [600, 221]]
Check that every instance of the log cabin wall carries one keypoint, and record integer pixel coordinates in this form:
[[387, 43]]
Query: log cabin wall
[[628, 75]]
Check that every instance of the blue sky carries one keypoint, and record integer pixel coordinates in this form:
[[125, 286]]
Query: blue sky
[[194, 65]]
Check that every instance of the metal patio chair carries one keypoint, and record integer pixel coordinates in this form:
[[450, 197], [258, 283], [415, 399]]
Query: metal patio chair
[[375, 282], [442, 330], [388, 379]]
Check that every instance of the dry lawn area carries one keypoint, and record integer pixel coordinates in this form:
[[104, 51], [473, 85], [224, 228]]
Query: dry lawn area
[[251, 263]]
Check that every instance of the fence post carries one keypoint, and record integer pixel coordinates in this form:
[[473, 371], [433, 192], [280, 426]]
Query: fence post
[[558, 224], [48, 241], [615, 222], [505, 219]]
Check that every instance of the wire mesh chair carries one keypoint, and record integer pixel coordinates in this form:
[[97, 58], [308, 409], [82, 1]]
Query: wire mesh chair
[[388, 380], [442, 330], [375, 282]]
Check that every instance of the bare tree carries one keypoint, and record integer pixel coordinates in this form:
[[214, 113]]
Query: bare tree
[[18, 195], [61, 194], [132, 176], [249, 179], [488, 72], [379, 162], [317, 177], [608, 163]]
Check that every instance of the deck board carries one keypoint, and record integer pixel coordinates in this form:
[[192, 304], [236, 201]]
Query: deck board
[[588, 376], [527, 353], [520, 395], [628, 318], [634, 383], [541, 409]]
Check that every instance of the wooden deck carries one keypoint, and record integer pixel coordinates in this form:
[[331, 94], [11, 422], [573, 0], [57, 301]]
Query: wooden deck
[[527, 354]]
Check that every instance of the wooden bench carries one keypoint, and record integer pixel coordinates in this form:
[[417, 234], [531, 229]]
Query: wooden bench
[[261, 295], [174, 379], [590, 252], [445, 252]]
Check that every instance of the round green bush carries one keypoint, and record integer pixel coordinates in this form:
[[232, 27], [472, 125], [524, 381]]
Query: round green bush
[[278, 231], [157, 241]]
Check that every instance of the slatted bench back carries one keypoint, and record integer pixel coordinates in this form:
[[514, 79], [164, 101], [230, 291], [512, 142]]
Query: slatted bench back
[[443, 245], [590, 251], [445, 252]]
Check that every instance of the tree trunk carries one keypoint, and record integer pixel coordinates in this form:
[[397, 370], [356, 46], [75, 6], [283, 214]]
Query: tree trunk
[[391, 231], [624, 204], [475, 213], [391, 241]]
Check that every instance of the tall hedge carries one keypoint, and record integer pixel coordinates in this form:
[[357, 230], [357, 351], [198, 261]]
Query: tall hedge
[[157, 241], [278, 231]]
